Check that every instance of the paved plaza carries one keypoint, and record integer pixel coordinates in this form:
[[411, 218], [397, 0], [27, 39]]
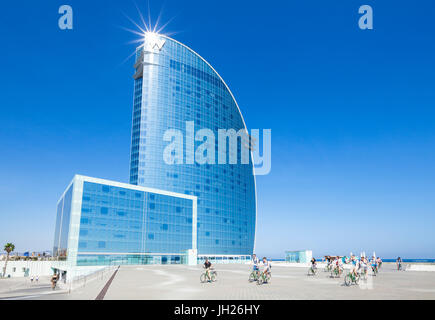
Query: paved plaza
[[182, 282]]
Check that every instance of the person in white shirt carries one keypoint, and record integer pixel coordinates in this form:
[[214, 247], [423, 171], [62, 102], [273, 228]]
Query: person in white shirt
[[266, 266], [355, 266]]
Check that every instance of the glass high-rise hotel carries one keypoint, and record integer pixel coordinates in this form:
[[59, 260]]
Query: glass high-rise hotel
[[167, 211]]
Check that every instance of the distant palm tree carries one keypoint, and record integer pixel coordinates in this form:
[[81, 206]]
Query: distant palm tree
[[9, 247]]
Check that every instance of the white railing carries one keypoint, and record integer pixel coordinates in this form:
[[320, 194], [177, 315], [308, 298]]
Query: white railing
[[83, 280]]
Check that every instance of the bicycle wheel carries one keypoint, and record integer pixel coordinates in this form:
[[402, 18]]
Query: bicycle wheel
[[268, 278], [203, 278], [357, 279], [213, 277], [260, 280]]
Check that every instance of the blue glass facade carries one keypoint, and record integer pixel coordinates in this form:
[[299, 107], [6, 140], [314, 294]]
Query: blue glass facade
[[124, 225], [173, 85], [301, 256], [63, 216]]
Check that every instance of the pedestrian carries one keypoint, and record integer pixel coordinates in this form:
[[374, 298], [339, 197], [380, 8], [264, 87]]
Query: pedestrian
[[54, 279]]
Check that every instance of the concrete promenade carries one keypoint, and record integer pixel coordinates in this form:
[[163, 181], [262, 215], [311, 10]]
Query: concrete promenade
[[182, 282]]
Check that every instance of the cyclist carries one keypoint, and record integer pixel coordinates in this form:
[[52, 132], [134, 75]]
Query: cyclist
[[374, 264], [330, 262], [256, 263], [266, 266], [363, 265], [379, 262], [207, 266], [313, 264], [338, 264], [399, 263], [355, 265]]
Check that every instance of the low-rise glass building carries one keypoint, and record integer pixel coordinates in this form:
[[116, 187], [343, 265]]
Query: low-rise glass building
[[299, 256], [102, 222]]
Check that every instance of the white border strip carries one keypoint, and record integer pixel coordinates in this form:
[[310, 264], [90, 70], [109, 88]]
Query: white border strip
[[78, 177]]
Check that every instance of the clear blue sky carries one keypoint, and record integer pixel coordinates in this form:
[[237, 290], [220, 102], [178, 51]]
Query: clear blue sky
[[352, 113]]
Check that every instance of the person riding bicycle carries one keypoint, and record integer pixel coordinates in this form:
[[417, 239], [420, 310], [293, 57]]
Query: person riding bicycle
[[207, 266], [363, 265], [313, 264], [328, 263], [256, 263], [266, 267], [379, 262], [355, 265], [338, 264], [374, 264], [399, 263]]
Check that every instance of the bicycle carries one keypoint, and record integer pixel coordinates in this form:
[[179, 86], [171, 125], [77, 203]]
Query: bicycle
[[336, 272], [351, 279], [328, 268], [264, 278], [312, 271], [375, 271], [254, 276], [213, 275], [363, 274]]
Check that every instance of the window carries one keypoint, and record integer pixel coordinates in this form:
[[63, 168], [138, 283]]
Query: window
[[101, 244]]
